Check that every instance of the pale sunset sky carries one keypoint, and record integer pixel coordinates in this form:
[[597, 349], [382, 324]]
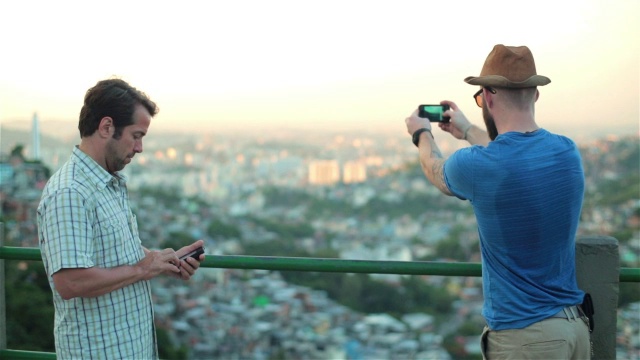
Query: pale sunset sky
[[317, 64]]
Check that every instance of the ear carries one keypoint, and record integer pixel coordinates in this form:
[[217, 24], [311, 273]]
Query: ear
[[106, 127], [488, 97], [537, 95]]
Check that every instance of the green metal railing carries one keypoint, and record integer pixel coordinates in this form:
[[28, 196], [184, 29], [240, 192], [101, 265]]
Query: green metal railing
[[295, 264], [323, 265]]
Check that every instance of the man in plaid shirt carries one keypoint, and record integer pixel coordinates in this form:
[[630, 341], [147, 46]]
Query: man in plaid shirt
[[98, 270]]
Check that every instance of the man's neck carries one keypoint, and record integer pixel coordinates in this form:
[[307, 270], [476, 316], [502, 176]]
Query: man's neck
[[516, 122], [89, 147]]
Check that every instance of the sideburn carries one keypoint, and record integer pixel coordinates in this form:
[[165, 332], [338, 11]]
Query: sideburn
[[117, 134], [490, 124]]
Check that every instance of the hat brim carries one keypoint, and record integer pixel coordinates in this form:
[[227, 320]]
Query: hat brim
[[503, 82]]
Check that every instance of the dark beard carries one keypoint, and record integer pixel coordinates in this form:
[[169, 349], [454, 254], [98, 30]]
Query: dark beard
[[113, 163], [490, 124]]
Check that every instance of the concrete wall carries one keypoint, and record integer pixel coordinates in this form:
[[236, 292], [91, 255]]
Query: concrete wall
[[598, 273], [3, 300]]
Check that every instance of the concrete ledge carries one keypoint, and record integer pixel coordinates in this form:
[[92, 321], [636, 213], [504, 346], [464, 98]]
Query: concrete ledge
[[598, 271]]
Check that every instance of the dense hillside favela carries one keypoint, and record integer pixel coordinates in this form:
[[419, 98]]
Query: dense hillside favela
[[307, 194]]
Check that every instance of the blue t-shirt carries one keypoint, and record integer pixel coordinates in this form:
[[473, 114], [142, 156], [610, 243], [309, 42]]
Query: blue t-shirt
[[526, 190]]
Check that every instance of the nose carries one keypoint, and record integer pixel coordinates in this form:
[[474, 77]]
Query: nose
[[137, 147]]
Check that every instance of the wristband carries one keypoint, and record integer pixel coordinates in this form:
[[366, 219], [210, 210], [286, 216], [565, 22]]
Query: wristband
[[416, 135]]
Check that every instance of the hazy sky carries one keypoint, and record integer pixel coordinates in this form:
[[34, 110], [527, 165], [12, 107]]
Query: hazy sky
[[320, 64]]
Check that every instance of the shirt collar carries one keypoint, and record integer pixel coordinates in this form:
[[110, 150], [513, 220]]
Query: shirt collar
[[97, 173]]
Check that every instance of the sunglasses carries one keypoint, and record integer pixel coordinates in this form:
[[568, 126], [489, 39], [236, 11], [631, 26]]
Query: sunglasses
[[478, 96]]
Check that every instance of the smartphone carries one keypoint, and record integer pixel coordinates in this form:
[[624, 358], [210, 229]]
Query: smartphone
[[433, 112], [194, 254]]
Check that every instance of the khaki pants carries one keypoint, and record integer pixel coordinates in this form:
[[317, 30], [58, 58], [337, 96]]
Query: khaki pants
[[554, 338]]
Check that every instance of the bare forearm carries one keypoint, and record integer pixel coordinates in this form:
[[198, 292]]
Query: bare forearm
[[432, 162], [93, 282], [476, 136]]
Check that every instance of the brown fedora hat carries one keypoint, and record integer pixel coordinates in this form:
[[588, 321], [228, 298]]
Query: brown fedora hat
[[509, 67]]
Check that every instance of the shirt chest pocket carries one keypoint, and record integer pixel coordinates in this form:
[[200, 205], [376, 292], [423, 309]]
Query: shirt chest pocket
[[116, 240]]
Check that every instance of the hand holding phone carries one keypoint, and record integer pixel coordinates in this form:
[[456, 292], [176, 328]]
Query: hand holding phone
[[194, 254], [434, 113]]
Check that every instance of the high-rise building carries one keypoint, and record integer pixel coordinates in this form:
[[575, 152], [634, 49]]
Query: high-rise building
[[354, 172], [324, 172], [35, 133]]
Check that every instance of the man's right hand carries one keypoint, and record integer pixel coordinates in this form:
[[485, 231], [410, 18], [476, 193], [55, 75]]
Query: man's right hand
[[156, 262], [461, 128], [458, 123]]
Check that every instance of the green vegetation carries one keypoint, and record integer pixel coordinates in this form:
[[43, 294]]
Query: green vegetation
[[29, 307], [218, 228], [619, 191], [360, 292], [364, 294], [165, 348], [326, 206], [628, 293]]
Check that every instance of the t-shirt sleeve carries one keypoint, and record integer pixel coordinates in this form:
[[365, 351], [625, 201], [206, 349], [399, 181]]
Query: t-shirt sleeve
[[66, 232], [458, 173]]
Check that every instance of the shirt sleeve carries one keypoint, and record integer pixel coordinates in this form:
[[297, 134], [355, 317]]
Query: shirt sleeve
[[66, 232], [458, 173]]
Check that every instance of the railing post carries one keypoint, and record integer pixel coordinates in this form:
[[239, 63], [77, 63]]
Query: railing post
[[3, 303], [598, 273]]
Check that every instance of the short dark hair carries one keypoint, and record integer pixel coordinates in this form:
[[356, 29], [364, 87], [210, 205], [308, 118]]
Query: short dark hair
[[114, 98]]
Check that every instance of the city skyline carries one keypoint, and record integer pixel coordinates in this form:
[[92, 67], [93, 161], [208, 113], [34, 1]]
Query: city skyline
[[326, 66], [57, 140]]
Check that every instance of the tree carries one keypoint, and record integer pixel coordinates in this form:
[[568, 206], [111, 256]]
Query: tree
[[218, 228], [166, 349], [17, 151], [29, 304]]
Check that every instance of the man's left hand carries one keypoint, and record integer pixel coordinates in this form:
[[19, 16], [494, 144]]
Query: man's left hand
[[414, 122], [189, 265]]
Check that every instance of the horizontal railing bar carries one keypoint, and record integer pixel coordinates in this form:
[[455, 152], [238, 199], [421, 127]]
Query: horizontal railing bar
[[302, 264], [323, 264], [629, 275], [19, 253], [28, 355], [343, 265]]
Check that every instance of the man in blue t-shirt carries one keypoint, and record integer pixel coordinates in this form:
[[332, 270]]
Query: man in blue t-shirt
[[526, 186]]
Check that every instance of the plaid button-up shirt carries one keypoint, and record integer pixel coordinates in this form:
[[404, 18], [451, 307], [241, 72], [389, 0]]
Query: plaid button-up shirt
[[84, 220]]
